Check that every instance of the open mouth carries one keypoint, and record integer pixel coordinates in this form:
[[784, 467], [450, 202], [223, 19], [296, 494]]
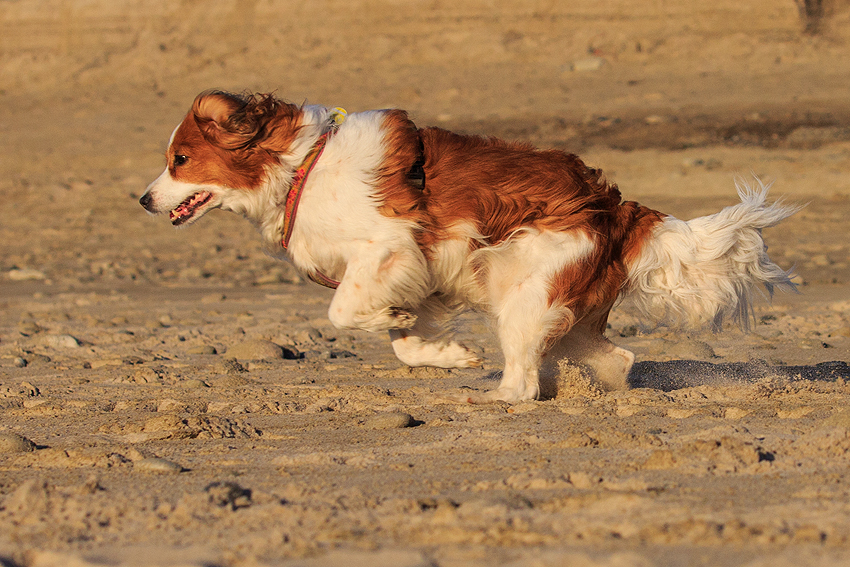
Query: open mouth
[[186, 210]]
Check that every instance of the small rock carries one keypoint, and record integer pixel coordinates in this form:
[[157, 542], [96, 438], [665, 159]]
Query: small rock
[[19, 362], [202, 349], [255, 350], [389, 420], [14, 443], [60, 341], [158, 465], [23, 274]]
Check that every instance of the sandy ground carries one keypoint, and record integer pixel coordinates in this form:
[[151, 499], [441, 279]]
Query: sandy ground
[[172, 398]]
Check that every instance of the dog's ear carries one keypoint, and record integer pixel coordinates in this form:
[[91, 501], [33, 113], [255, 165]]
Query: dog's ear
[[232, 121], [245, 122]]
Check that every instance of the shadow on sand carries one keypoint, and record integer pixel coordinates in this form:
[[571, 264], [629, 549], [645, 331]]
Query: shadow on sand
[[677, 374]]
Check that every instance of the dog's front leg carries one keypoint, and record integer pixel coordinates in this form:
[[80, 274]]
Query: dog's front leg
[[428, 343], [381, 285]]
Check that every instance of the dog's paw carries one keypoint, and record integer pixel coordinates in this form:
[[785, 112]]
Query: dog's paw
[[461, 356], [416, 351], [388, 318]]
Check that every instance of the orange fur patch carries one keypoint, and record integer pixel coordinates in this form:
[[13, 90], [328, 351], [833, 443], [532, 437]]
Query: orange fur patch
[[500, 187], [230, 139]]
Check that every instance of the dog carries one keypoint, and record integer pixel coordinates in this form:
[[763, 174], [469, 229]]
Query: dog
[[412, 226]]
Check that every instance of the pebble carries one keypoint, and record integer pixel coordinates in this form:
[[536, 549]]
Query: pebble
[[20, 362], [14, 443], [60, 341], [158, 465], [202, 349], [389, 420], [255, 350]]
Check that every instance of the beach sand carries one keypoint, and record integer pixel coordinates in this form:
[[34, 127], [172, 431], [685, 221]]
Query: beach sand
[[177, 398]]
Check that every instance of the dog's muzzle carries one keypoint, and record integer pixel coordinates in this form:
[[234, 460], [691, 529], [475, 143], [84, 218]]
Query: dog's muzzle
[[147, 202]]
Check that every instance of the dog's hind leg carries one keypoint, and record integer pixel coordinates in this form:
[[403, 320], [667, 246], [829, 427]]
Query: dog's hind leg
[[426, 343], [585, 344], [519, 277], [524, 323]]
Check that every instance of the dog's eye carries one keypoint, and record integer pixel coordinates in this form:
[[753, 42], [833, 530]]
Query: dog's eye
[[180, 160]]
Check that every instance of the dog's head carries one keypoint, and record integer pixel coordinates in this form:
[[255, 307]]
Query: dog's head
[[220, 155]]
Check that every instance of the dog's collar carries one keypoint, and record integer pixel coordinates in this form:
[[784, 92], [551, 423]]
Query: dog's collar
[[293, 197]]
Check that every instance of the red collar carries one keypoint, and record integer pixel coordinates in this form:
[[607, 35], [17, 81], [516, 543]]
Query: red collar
[[293, 197]]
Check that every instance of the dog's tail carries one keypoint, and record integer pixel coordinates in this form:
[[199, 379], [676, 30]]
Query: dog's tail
[[705, 270]]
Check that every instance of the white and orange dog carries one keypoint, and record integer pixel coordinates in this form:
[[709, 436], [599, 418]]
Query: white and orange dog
[[411, 226]]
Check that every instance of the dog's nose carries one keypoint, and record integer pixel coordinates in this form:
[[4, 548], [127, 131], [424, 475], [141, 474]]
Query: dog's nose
[[147, 202]]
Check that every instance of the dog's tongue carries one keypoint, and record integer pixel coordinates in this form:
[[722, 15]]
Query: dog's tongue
[[187, 207]]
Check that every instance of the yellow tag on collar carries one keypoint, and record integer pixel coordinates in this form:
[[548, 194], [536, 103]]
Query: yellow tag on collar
[[338, 115]]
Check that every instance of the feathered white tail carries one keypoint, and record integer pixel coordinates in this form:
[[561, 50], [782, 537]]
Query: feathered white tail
[[705, 269]]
